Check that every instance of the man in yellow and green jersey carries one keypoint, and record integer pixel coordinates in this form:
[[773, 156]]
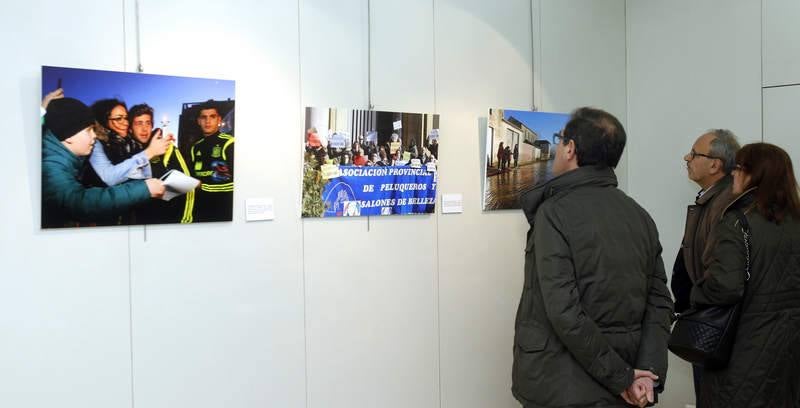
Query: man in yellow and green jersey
[[212, 164]]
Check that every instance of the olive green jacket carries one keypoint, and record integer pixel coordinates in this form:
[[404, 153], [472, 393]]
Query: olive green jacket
[[595, 302]]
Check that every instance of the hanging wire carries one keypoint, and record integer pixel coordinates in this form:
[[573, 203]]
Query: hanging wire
[[369, 68], [533, 60], [138, 38], [369, 55]]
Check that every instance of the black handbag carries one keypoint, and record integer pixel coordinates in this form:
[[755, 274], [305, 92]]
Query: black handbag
[[704, 335]]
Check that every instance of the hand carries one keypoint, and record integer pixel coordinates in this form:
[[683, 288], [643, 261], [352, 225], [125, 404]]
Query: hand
[[57, 94], [156, 187], [628, 398], [158, 146], [640, 392], [643, 389]]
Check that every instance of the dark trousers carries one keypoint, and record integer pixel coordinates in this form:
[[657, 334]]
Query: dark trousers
[[698, 377], [210, 207]]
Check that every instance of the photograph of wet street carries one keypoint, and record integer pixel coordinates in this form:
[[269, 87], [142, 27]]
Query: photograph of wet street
[[519, 154]]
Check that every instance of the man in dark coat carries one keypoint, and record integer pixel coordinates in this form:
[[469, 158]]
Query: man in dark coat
[[593, 321], [709, 164]]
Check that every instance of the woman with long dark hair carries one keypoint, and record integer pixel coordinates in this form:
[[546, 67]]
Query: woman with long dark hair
[[763, 369], [117, 156]]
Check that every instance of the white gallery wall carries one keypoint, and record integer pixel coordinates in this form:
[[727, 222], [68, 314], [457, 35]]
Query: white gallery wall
[[65, 320], [412, 311], [223, 324], [781, 80]]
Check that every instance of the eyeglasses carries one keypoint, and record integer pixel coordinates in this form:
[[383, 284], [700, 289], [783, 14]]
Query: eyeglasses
[[693, 154], [118, 119], [559, 138]]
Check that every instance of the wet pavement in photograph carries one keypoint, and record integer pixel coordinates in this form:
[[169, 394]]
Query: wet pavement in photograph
[[502, 191]]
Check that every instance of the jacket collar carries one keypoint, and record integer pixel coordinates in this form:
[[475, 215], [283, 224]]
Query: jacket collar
[[582, 176], [744, 201], [59, 151], [712, 192]]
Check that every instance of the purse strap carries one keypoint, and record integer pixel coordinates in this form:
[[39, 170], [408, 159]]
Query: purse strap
[[745, 227]]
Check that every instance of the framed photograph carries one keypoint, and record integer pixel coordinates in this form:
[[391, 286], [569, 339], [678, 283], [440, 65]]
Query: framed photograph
[[365, 162], [519, 154], [121, 148]]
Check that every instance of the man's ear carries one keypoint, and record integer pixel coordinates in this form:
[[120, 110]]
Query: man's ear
[[716, 166], [570, 150]]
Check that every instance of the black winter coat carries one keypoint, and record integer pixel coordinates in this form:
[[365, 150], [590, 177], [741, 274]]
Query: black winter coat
[[764, 370], [595, 303]]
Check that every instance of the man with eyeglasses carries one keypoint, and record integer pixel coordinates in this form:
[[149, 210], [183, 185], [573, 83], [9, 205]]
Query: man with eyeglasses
[[709, 164], [593, 321], [212, 164]]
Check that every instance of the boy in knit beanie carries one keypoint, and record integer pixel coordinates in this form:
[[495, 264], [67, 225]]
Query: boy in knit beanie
[[68, 137]]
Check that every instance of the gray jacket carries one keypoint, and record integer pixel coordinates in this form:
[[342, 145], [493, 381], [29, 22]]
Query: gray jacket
[[595, 303]]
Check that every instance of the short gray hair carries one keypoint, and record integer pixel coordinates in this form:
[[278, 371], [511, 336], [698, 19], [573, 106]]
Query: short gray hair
[[724, 147]]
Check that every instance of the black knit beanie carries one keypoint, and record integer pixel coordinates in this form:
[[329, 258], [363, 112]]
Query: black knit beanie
[[67, 116]]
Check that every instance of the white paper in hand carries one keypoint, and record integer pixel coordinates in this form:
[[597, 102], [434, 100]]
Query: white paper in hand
[[177, 183]]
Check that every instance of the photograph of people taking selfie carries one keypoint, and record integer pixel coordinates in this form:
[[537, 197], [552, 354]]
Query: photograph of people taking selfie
[[123, 148]]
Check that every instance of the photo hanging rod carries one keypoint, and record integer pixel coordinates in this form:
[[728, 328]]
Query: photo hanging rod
[[369, 55]]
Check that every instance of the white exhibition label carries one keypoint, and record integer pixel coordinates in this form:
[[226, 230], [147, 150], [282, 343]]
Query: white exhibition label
[[398, 124], [260, 209], [452, 204]]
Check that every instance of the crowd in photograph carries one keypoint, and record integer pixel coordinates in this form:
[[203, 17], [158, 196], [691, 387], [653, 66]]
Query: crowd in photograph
[[364, 152]]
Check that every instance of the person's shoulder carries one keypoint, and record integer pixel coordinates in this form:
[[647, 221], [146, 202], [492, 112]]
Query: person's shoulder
[[637, 208], [552, 208], [720, 203], [730, 224], [731, 216], [227, 139], [55, 154], [173, 150], [58, 163]]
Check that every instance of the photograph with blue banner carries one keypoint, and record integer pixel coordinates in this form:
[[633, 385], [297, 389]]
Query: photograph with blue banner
[[123, 148], [365, 162], [519, 154]]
